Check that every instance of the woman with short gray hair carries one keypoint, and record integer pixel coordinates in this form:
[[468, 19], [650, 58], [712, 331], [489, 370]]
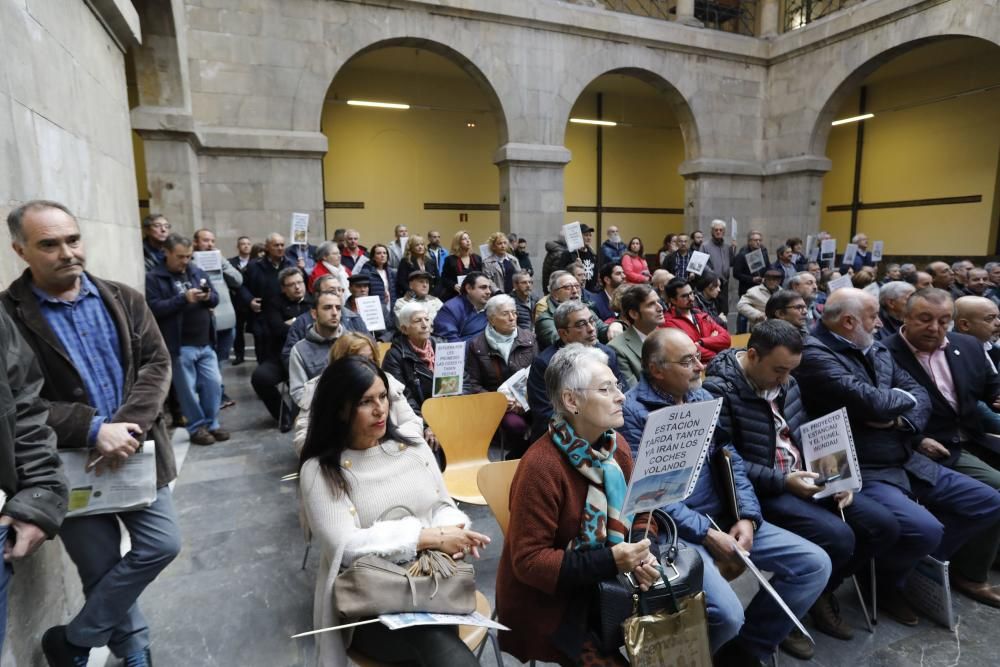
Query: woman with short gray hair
[[328, 263], [492, 357], [569, 532], [411, 357]]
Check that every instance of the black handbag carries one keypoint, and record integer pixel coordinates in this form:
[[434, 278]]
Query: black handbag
[[620, 598]]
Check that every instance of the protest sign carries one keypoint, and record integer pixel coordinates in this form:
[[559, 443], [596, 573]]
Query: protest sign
[[838, 283], [484, 250], [698, 262], [877, 249], [828, 450], [671, 453], [573, 234], [808, 248], [208, 260], [449, 368], [732, 221], [850, 254], [300, 228], [370, 310], [929, 590], [755, 261], [131, 486], [828, 247]]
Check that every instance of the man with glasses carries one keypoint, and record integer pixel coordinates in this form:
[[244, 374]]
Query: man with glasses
[[671, 375], [278, 316], [804, 283], [574, 322], [788, 306], [563, 286], [155, 229], [708, 335]]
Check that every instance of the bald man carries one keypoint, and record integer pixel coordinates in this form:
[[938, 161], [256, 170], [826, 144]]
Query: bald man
[[980, 318], [942, 277], [937, 509], [671, 375]]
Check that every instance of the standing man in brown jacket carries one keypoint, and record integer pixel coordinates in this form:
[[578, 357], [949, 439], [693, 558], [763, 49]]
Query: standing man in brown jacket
[[107, 372], [31, 479]]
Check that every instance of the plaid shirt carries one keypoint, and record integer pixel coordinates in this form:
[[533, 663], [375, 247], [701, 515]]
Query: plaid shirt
[[88, 334]]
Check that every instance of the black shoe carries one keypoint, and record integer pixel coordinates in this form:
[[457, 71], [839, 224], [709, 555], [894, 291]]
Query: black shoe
[[59, 652], [734, 654], [237, 361], [141, 658]]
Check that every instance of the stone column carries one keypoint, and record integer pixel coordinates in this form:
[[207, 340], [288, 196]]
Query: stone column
[[717, 188], [171, 165], [685, 13], [532, 203], [769, 18], [793, 190]]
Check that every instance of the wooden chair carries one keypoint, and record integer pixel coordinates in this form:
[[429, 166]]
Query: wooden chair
[[494, 482], [473, 636], [739, 340], [383, 349], [464, 425]]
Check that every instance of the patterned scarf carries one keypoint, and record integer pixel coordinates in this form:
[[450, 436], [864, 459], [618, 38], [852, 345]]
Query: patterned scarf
[[601, 524], [426, 353]]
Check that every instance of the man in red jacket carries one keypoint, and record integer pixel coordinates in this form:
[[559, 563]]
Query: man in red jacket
[[708, 336]]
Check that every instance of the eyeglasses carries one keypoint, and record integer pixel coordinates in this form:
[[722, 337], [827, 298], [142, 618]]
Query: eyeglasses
[[688, 362], [160, 225], [584, 324], [607, 389], [569, 286]]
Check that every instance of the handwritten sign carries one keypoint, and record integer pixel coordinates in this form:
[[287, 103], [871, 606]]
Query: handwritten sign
[[877, 249], [698, 262], [300, 228], [208, 260], [828, 450], [449, 368], [370, 310], [671, 453], [573, 234]]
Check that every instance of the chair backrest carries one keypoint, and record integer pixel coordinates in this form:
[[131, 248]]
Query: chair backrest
[[494, 481], [383, 349], [464, 425], [739, 340]]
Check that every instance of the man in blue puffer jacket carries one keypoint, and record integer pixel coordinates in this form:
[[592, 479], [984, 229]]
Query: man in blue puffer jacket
[[672, 375], [761, 417]]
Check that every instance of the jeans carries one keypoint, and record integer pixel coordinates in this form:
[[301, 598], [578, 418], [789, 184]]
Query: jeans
[[801, 570], [5, 573], [113, 583], [198, 385], [949, 513], [870, 530]]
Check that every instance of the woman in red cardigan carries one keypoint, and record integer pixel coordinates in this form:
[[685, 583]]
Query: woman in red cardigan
[[634, 264], [553, 557]]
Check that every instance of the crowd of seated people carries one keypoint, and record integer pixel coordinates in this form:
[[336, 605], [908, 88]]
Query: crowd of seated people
[[910, 354]]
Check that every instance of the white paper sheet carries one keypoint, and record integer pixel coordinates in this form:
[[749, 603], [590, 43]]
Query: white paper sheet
[[449, 369], [300, 228], [573, 233], [828, 449], [370, 310], [698, 262], [208, 260]]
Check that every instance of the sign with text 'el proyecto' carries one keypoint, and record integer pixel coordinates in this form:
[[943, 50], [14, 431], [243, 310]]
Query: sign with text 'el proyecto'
[[671, 453]]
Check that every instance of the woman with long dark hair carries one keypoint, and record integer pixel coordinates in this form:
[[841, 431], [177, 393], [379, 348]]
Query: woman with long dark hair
[[381, 275], [634, 262], [350, 475]]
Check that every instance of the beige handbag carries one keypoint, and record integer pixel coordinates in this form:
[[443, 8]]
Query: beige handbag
[[434, 582]]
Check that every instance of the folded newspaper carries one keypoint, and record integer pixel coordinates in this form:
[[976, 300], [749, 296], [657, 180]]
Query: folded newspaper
[[131, 486], [516, 388], [410, 619]]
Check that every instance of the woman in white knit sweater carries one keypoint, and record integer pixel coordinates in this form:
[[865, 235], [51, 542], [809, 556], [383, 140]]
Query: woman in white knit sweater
[[354, 468]]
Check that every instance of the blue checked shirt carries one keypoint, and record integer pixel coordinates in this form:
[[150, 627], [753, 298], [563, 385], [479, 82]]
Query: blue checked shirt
[[87, 332]]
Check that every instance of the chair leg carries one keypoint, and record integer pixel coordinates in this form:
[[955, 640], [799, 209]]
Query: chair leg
[[496, 649], [305, 556], [861, 601], [874, 593]]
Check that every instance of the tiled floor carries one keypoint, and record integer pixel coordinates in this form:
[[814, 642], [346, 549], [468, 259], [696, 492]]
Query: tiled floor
[[236, 593]]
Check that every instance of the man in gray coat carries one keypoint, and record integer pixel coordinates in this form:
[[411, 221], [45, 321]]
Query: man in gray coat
[[226, 280], [311, 354], [31, 478]]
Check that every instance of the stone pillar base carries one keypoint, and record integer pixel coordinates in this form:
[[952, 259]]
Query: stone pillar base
[[532, 203]]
